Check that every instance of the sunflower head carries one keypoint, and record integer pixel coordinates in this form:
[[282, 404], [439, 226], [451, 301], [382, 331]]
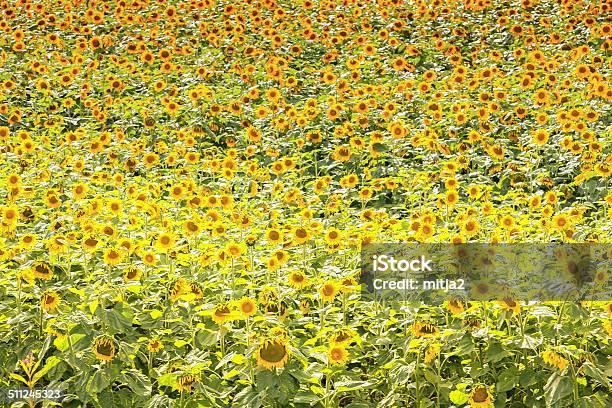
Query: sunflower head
[[480, 397], [222, 313], [337, 354], [298, 280], [43, 271], [348, 285], [328, 291], [104, 348], [272, 353], [455, 306], [132, 273], [424, 330], [186, 382], [154, 345], [344, 336], [49, 301], [247, 307], [510, 304]]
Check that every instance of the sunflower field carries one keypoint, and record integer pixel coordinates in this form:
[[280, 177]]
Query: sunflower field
[[186, 187]]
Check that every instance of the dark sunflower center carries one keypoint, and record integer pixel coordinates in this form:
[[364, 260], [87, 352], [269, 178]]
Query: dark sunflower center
[[221, 312], [480, 395], [273, 352], [43, 270], [105, 349], [428, 328]]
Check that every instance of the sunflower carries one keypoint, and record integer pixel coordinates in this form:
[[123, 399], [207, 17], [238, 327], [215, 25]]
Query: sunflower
[[247, 307], [298, 280], [337, 354], [179, 288], [455, 306], [196, 290], [186, 382], [149, 258], [424, 330], [333, 236], [328, 291], [277, 308], [104, 348], [222, 313], [49, 301], [274, 236], [113, 256], [348, 285], [272, 353], [554, 359], [132, 273], [431, 353], [154, 345], [344, 336], [89, 243], [510, 304], [480, 397], [305, 306], [43, 271], [165, 241], [300, 235]]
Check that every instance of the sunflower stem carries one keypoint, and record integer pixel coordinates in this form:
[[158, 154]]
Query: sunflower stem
[[40, 321]]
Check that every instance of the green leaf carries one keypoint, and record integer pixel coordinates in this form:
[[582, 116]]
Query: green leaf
[[168, 380], [344, 386], [49, 364], [159, 401], [138, 382], [595, 373], [18, 378], [457, 397], [248, 397], [231, 373], [557, 387], [465, 346], [305, 397], [507, 380], [98, 381]]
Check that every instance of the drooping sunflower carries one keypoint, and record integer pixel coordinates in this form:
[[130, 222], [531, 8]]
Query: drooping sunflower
[[277, 308], [186, 382], [49, 301], [510, 304], [43, 271], [222, 313], [424, 330], [554, 359], [455, 306], [431, 353], [132, 273], [344, 336], [272, 353], [104, 348], [480, 397], [348, 285]]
